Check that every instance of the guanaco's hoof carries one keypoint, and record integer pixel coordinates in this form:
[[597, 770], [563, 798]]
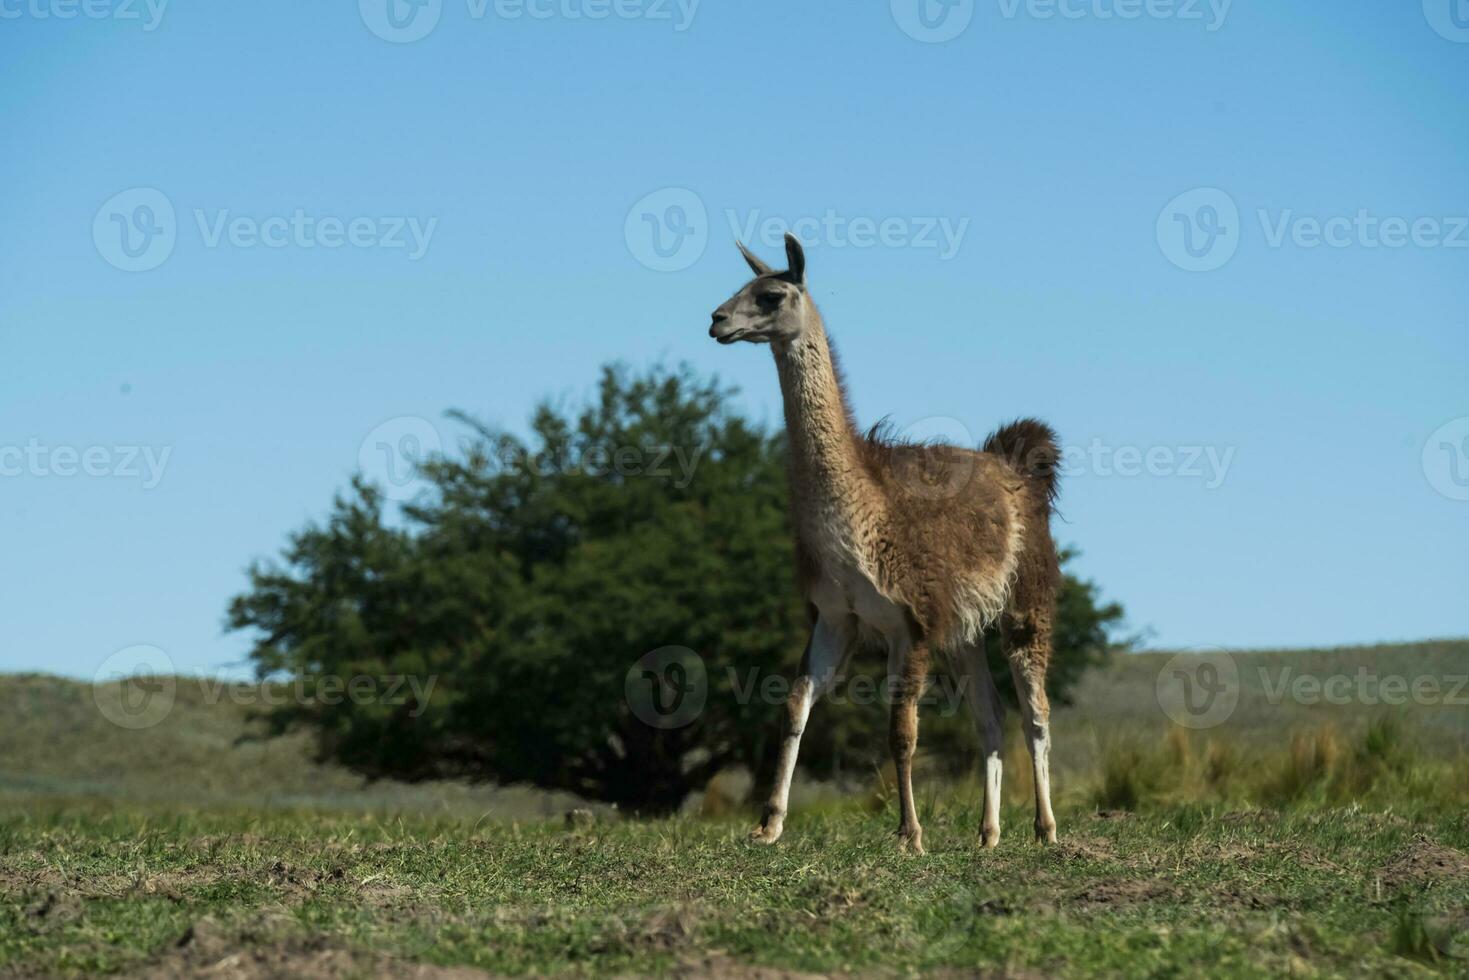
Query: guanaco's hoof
[[911, 840], [764, 835]]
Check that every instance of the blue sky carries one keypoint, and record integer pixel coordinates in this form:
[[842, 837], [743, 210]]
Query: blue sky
[[1073, 154]]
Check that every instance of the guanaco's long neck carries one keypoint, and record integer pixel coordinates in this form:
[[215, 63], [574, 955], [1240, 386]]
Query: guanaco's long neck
[[825, 465]]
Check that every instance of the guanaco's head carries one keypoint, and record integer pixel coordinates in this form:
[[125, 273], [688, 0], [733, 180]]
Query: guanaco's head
[[773, 306]]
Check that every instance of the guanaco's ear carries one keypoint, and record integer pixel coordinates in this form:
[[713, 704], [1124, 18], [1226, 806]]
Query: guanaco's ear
[[759, 267], [795, 259]]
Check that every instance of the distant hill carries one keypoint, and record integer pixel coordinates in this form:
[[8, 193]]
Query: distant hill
[[57, 742], [1425, 686], [1276, 688]]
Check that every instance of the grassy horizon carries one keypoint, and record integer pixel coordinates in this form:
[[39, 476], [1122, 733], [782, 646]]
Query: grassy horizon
[[1297, 837], [58, 742]]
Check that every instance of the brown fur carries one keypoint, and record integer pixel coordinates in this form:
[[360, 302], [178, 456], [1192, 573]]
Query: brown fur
[[936, 512], [917, 547]]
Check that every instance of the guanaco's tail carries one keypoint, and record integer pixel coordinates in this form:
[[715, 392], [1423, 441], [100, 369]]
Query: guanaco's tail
[[1030, 446]]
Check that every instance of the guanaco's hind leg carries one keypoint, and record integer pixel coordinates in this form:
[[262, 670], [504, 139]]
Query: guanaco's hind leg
[[969, 667], [907, 673], [1027, 643]]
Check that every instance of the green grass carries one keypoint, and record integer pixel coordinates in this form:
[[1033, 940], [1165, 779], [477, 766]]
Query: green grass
[[1177, 891], [1310, 840]]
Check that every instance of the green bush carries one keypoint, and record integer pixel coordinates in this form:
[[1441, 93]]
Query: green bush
[[529, 585]]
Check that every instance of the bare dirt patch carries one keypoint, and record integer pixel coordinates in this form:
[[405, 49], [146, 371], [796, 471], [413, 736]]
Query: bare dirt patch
[[719, 967], [1424, 862], [209, 950], [1249, 817], [1115, 893], [1084, 849], [1304, 857], [723, 968], [54, 892], [1241, 897]]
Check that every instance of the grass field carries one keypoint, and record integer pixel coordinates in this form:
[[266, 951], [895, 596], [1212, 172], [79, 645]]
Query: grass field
[[1178, 891], [1298, 839]]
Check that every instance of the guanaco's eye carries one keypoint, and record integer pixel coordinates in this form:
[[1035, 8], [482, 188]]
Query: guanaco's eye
[[770, 299]]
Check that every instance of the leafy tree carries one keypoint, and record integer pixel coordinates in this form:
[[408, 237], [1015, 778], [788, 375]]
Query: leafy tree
[[534, 585]]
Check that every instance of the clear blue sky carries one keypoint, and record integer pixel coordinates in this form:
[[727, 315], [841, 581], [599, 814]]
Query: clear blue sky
[[1322, 371]]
